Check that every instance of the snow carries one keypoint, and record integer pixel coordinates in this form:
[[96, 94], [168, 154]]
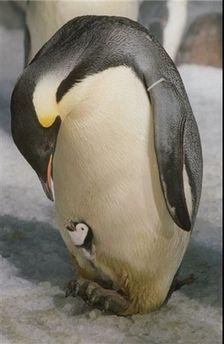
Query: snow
[[35, 265]]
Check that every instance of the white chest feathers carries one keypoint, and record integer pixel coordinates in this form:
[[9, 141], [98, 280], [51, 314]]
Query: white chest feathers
[[105, 171]]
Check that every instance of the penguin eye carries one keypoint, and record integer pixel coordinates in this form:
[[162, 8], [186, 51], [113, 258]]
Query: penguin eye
[[82, 229]]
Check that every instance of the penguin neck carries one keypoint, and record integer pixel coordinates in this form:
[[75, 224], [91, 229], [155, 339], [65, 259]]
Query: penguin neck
[[45, 94]]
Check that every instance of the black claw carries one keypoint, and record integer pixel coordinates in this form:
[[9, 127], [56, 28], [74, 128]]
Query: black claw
[[93, 299], [101, 303], [72, 288], [106, 305], [75, 290], [68, 292]]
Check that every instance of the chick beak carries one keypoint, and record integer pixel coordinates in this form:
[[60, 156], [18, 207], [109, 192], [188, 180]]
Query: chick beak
[[47, 185]]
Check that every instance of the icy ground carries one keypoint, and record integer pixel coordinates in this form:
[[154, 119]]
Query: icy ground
[[34, 263]]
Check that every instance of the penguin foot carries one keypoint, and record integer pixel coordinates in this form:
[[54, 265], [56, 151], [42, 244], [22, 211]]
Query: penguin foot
[[76, 287], [107, 300]]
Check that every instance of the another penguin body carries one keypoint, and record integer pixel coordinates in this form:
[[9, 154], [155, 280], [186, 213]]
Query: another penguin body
[[112, 114], [44, 18]]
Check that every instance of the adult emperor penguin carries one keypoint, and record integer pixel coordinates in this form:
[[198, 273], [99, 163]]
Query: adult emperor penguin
[[104, 105]]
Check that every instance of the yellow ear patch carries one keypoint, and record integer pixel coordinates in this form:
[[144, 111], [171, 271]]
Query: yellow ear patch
[[44, 99], [46, 120]]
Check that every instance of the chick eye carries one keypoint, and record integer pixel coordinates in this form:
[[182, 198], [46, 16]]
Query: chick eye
[[82, 229]]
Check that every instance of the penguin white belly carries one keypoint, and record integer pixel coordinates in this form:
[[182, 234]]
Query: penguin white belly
[[106, 173]]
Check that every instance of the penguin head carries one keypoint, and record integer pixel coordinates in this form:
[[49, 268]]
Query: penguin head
[[79, 232], [35, 122]]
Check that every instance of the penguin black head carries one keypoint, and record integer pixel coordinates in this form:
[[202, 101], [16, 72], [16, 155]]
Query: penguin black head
[[35, 126]]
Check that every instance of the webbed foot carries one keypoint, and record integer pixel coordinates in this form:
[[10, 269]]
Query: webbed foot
[[107, 300]]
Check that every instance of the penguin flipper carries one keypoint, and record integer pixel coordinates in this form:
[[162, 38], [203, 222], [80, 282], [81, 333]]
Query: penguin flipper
[[178, 151]]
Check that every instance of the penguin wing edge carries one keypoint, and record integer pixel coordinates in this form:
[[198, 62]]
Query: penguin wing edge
[[178, 151]]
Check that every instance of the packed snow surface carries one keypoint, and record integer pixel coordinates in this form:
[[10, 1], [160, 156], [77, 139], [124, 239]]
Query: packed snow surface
[[35, 265]]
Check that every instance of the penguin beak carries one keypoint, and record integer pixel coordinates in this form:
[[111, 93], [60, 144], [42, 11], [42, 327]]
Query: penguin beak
[[47, 185]]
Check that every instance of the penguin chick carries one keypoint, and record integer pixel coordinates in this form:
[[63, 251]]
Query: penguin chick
[[82, 236]]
